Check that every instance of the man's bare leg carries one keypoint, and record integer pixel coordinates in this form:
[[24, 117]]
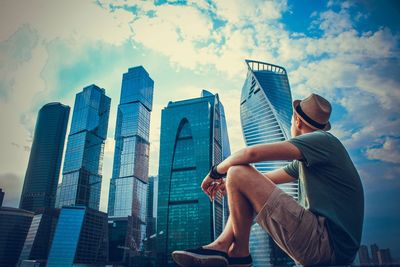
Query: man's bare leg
[[224, 240], [248, 190]]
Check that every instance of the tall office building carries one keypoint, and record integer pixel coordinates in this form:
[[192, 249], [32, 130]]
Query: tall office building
[[150, 220], [374, 254], [384, 257], [80, 238], [128, 185], [363, 255], [37, 243], [81, 183], [193, 138], [266, 112], [14, 226], [41, 178], [151, 229], [1, 197]]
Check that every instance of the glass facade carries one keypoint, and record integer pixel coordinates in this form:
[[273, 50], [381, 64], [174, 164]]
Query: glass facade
[[266, 112], [80, 238], [81, 183], [193, 138], [120, 249], [150, 220], [128, 185], [41, 178], [1, 197], [40, 235], [14, 226]]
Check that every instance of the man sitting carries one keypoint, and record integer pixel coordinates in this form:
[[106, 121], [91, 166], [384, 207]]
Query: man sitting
[[324, 229]]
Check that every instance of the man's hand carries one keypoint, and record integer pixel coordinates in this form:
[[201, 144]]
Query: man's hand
[[211, 186], [218, 187]]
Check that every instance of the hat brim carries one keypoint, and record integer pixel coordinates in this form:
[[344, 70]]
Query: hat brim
[[295, 104]]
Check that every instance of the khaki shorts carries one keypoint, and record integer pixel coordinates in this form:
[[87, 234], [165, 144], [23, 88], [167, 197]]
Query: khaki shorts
[[297, 231]]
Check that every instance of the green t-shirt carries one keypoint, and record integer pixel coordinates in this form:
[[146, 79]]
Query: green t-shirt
[[331, 187]]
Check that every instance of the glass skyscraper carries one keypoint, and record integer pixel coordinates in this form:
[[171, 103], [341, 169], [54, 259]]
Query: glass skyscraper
[[80, 238], [81, 183], [266, 112], [151, 227], [128, 185], [193, 138], [14, 226], [37, 243], [42, 174]]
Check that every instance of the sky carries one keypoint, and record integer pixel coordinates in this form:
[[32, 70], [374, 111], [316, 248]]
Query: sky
[[346, 51]]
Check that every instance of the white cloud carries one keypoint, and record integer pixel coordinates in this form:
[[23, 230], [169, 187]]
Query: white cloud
[[24, 83], [388, 151], [249, 12], [65, 19], [332, 23], [11, 185]]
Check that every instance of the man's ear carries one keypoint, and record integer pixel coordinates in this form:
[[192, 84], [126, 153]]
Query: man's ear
[[298, 122]]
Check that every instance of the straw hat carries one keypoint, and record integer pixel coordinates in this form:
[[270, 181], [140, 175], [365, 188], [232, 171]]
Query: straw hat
[[314, 111]]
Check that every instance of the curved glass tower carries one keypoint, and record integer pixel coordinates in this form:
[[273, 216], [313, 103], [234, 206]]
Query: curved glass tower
[[265, 113], [41, 178], [193, 138]]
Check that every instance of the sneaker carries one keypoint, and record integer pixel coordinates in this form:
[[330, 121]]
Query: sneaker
[[200, 257], [240, 261]]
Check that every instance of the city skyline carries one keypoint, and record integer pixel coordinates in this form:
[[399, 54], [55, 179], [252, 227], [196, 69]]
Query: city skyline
[[345, 51]]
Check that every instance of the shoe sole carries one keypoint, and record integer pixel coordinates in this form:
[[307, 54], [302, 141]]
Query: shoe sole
[[185, 259]]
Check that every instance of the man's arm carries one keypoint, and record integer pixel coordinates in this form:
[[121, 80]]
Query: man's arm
[[264, 152], [279, 176]]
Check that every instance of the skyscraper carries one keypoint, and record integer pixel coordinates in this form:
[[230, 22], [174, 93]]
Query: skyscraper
[[14, 226], [193, 138], [41, 178], [363, 255], [80, 238], [374, 254], [128, 185], [131, 155], [81, 183], [37, 243], [384, 257], [266, 112], [1, 197], [150, 218]]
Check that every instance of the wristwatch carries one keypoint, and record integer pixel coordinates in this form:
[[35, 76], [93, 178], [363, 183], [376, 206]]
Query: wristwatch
[[214, 174]]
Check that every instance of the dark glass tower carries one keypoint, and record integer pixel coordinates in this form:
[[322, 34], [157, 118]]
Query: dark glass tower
[[37, 243], [81, 183], [128, 185], [1, 197], [150, 215], [14, 226], [42, 174], [266, 113], [193, 138], [151, 227]]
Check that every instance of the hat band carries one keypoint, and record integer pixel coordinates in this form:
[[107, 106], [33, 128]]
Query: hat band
[[308, 119]]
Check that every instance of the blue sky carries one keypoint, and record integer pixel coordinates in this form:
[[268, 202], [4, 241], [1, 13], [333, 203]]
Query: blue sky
[[345, 51]]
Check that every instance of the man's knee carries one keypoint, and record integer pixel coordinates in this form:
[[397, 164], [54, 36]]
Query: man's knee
[[237, 174]]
